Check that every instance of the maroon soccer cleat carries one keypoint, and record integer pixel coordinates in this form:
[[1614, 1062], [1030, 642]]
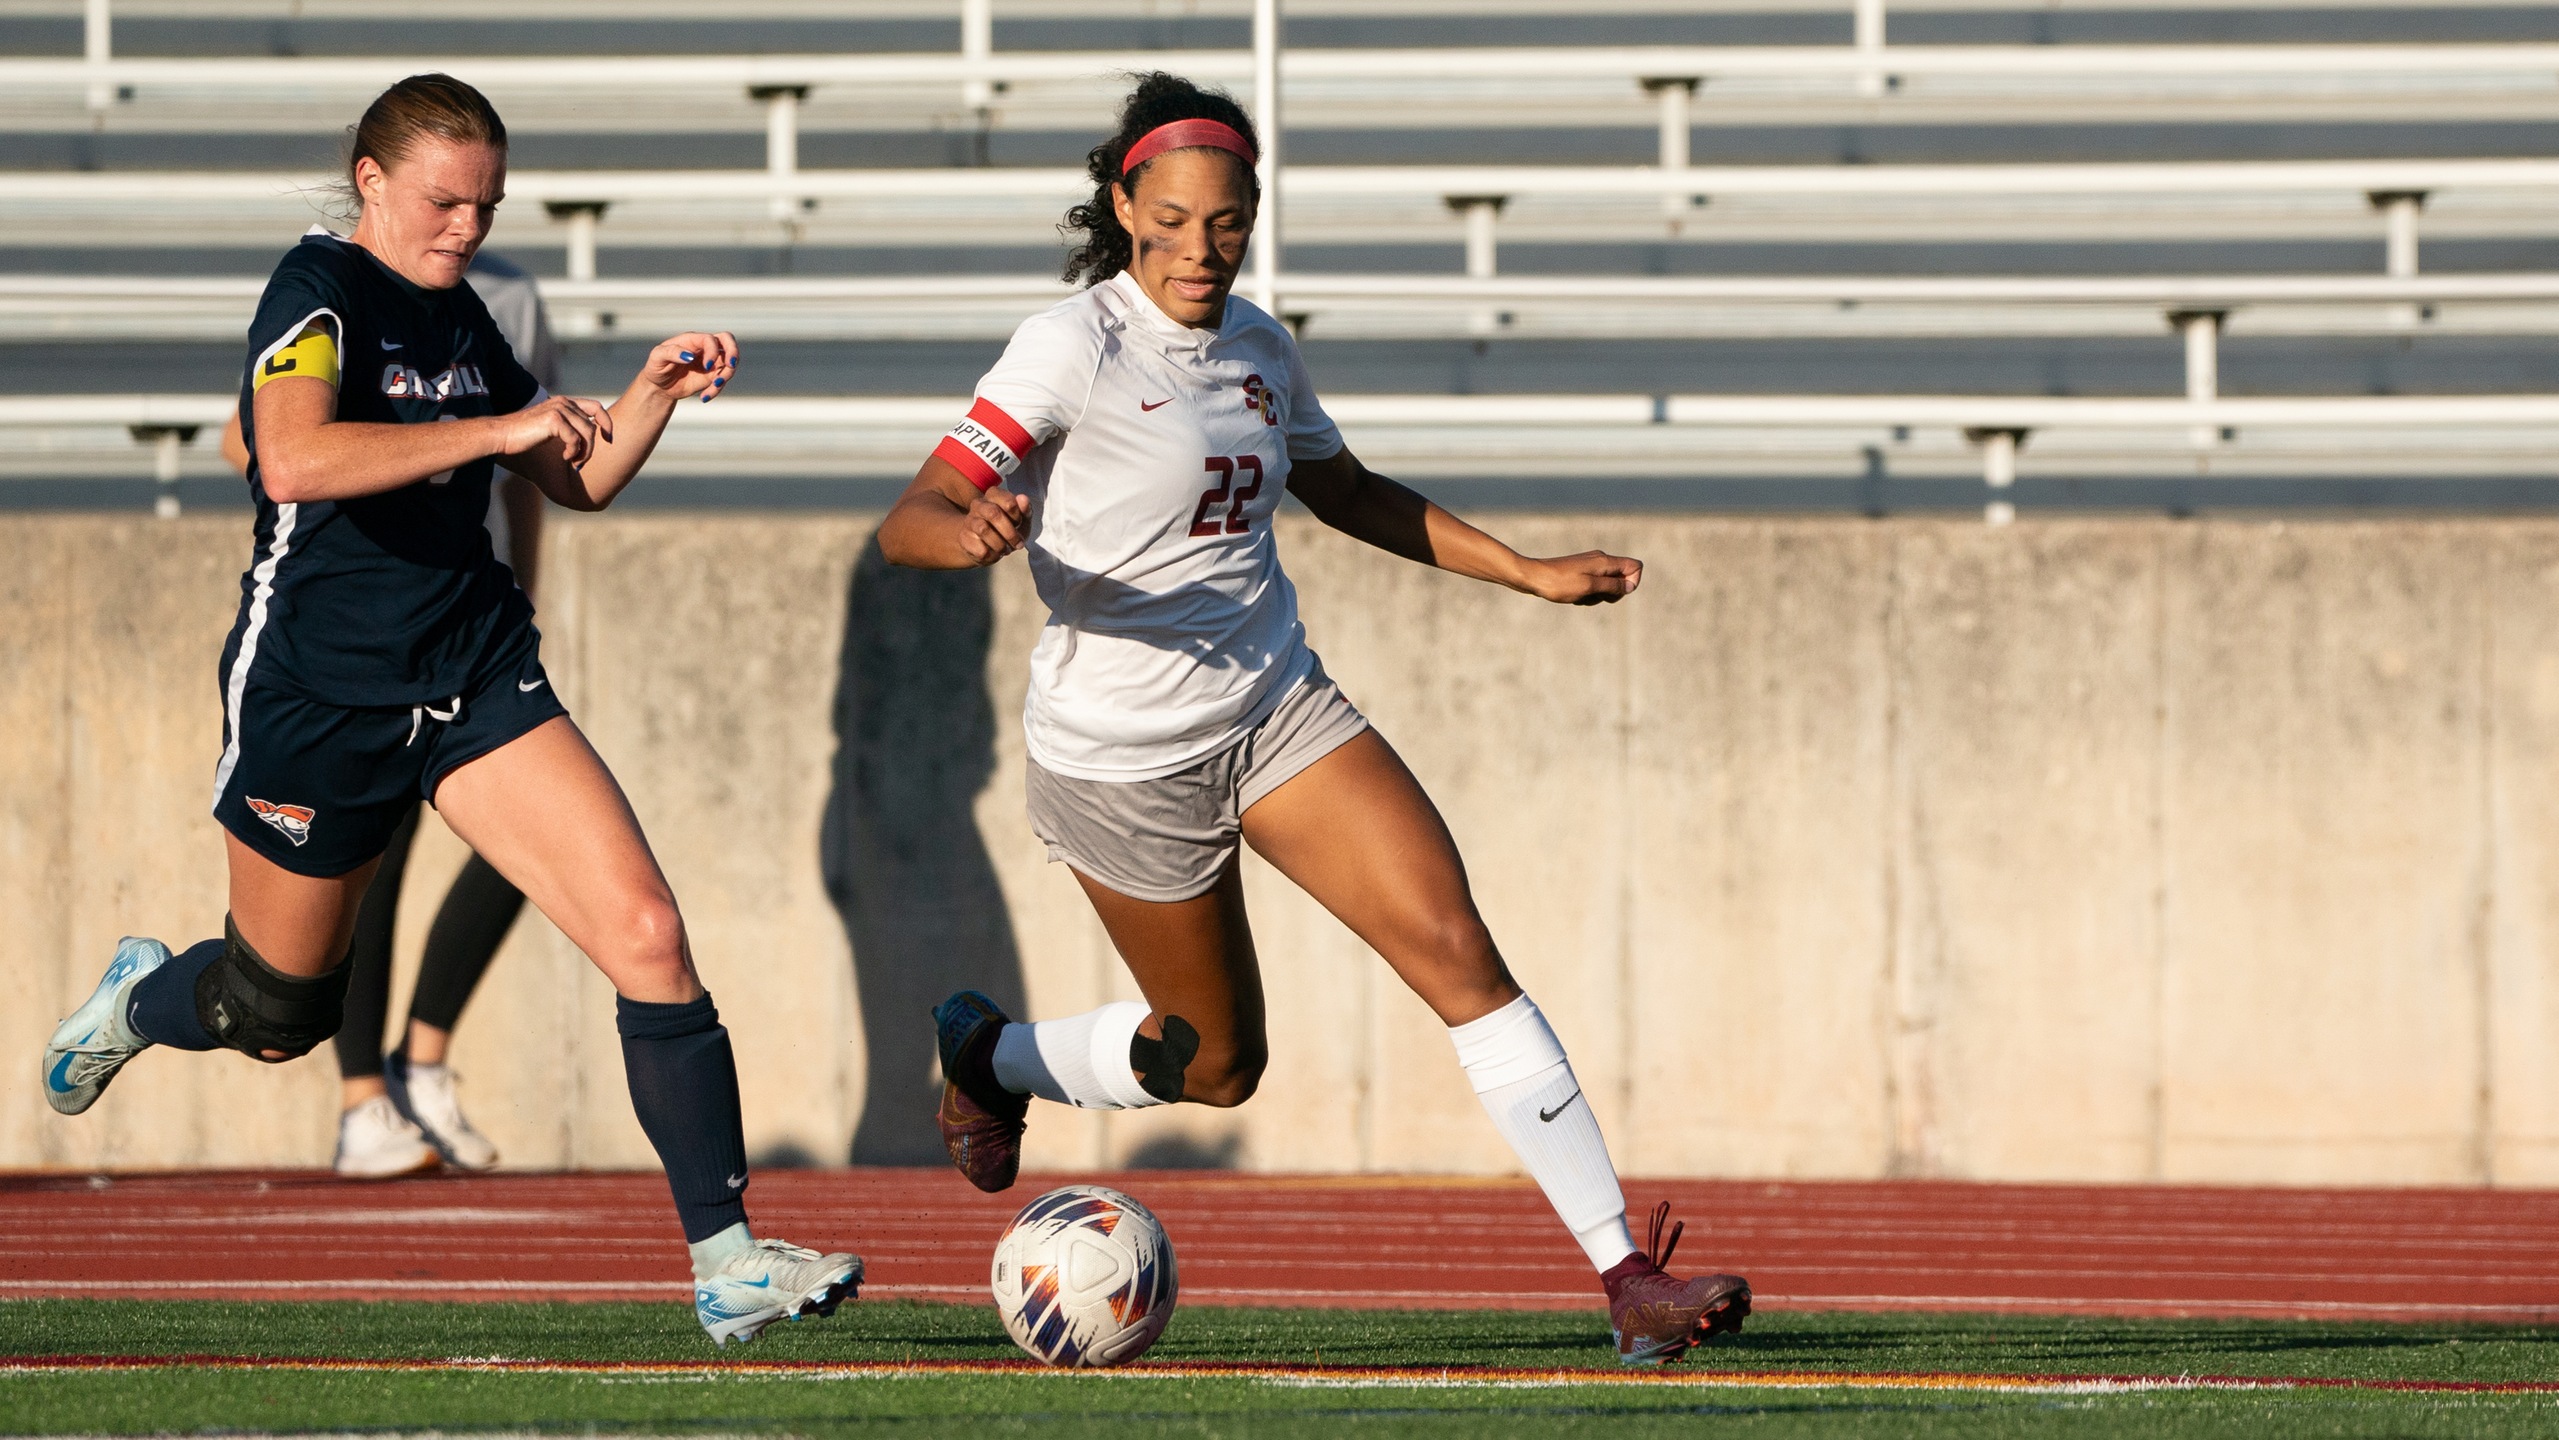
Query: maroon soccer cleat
[[1654, 1315], [981, 1121]]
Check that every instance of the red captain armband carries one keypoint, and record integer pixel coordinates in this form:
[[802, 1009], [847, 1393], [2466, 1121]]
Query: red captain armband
[[987, 446]]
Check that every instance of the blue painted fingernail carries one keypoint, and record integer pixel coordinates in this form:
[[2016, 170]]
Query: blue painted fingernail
[[684, 355], [716, 384]]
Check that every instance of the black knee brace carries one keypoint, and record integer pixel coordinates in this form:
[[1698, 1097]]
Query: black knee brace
[[1160, 1063], [247, 1005]]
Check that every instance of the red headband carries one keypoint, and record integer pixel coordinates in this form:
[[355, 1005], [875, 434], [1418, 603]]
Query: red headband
[[1185, 135]]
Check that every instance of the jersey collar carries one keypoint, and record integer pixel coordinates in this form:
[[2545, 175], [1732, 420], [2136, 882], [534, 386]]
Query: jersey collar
[[1172, 334]]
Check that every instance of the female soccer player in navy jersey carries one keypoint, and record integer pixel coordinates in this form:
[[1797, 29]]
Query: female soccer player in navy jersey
[[402, 1112], [1134, 441], [383, 656]]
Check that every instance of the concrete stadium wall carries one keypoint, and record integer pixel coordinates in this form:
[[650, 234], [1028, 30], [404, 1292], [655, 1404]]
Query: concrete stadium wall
[[2107, 849]]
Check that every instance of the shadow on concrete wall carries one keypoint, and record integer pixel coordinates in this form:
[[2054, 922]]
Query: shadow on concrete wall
[[904, 864], [1185, 1152]]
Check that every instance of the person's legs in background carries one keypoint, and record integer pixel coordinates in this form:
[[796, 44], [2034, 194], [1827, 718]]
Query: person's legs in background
[[374, 1139], [469, 927]]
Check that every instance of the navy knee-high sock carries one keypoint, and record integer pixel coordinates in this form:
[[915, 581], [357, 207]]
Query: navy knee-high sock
[[683, 1080], [162, 1009]]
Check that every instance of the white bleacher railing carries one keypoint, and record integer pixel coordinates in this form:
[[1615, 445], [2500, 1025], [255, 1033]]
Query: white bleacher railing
[[520, 10], [195, 308], [1951, 412], [1343, 86], [2468, 64], [1333, 88], [1564, 436], [2127, 178], [933, 206]]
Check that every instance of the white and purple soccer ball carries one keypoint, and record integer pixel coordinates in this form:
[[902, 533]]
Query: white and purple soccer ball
[[1084, 1278]]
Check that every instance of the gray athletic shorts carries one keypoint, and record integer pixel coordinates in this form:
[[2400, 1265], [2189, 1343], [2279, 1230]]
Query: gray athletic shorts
[[1171, 837]]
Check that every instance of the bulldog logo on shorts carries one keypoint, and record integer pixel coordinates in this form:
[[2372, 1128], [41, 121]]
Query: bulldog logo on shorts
[[294, 821]]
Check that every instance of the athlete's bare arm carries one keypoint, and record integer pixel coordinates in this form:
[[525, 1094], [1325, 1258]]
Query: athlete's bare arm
[[943, 522], [568, 447], [306, 453], [1365, 505], [619, 442]]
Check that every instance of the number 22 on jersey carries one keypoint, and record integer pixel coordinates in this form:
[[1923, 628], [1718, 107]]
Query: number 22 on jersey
[[1204, 520]]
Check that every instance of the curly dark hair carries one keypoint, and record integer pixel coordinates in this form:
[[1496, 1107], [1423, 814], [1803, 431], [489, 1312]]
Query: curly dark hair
[[1158, 99]]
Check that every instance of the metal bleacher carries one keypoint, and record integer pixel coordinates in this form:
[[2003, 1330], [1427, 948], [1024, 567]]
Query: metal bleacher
[[1764, 252]]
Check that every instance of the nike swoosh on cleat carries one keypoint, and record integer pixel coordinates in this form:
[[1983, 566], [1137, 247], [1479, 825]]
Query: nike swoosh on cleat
[[60, 1079], [1548, 1116]]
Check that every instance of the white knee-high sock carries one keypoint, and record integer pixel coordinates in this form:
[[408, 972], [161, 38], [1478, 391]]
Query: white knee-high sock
[[1081, 1060], [1519, 1071]]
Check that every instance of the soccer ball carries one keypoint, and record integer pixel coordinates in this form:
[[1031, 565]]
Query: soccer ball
[[1084, 1277]]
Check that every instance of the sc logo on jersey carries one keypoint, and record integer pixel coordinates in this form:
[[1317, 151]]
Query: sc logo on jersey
[[1258, 396]]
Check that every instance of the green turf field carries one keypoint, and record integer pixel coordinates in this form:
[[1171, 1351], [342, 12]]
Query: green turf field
[[200, 1400]]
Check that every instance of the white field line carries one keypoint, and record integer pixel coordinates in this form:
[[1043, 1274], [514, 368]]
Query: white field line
[[1292, 1376], [1246, 1295]]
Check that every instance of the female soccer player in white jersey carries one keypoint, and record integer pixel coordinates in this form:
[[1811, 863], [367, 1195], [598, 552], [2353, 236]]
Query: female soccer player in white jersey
[[1135, 441], [384, 656]]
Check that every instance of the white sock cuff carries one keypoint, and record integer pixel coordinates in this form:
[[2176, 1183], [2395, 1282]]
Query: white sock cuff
[[1114, 1026], [1607, 1243], [1081, 1060], [1512, 1044], [1017, 1063], [709, 1255]]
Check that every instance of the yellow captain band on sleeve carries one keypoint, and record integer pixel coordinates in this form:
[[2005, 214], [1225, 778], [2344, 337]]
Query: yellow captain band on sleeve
[[312, 355]]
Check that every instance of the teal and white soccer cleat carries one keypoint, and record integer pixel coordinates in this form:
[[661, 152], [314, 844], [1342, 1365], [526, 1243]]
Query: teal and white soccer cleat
[[89, 1048], [768, 1281]]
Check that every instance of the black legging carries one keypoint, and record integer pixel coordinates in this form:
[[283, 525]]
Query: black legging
[[468, 928]]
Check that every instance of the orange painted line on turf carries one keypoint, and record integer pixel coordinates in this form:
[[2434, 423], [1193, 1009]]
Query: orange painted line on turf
[[1345, 1376]]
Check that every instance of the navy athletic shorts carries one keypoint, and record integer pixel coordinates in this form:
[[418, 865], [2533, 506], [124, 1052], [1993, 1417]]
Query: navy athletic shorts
[[318, 789]]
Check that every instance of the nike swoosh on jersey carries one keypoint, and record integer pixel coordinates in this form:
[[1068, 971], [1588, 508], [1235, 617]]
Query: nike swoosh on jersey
[[391, 345], [1158, 405], [1548, 1116]]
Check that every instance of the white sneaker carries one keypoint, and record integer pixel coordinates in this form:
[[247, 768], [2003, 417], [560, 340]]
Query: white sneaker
[[769, 1280], [89, 1047], [375, 1143], [424, 1096]]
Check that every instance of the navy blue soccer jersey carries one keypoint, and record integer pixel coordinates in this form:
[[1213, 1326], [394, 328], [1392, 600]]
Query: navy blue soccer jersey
[[393, 599]]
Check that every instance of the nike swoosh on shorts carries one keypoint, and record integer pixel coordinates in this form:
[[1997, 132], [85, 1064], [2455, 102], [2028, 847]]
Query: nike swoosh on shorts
[[529, 689]]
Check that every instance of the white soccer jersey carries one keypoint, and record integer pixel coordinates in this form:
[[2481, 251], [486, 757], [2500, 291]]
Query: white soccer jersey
[[1154, 456]]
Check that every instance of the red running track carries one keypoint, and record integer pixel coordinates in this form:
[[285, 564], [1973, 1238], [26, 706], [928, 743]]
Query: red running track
[[1321, 1241]]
